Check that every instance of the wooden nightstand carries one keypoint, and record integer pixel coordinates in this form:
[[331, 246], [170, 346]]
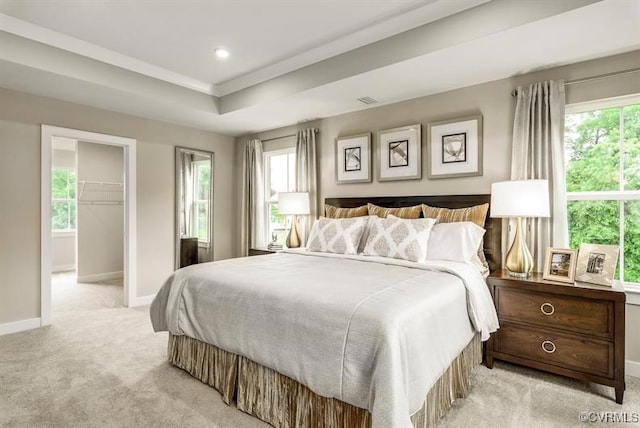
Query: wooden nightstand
[[575, 330], [259, 251]]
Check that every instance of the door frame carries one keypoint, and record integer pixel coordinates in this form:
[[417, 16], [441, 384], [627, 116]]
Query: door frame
[[130, 230]]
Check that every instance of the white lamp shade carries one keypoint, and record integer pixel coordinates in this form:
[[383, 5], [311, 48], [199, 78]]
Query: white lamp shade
[[520, 198], [293, 203]]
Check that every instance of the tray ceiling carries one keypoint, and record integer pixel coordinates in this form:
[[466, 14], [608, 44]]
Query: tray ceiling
[[290, 60]]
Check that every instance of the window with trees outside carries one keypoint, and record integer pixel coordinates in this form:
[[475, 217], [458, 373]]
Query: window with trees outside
[[602, 149], [280, 176], [201, 182], [63, 199]]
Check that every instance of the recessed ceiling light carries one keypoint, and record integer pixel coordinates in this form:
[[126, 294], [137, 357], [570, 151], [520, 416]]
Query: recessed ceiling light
[[221, 53]]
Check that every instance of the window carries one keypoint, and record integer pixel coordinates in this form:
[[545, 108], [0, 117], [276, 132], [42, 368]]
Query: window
[[602, 149], [280, 176], [201, 183], [63, 200]]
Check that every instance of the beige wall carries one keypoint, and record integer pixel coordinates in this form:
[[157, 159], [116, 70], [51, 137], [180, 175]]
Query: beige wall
[[19, 220], [100, 221], [632, 343], [63, 252], [20, 118], [494, 101], [63, 158]]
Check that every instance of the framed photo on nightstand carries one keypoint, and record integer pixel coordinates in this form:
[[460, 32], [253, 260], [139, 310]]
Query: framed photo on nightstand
[[597, 263], [560, 264]]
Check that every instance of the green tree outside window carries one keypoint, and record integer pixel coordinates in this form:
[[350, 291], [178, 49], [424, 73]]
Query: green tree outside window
[[602, 150], [63, 203]]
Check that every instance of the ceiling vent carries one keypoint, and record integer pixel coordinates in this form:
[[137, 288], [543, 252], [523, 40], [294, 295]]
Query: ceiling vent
[[368, 100]]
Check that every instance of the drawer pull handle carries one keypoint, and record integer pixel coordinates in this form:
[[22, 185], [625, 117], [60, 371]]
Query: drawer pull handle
[[547, 308], [549, 347]]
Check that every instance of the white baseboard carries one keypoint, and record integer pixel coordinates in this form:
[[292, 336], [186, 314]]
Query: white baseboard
[[22, 325], [632, 368], [142, 301], [63, 268], [101, 276]]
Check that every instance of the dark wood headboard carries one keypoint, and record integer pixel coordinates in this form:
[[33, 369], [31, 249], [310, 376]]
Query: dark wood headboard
[[492, 239]]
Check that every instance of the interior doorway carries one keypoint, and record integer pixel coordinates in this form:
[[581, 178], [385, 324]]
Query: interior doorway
[[101, 189], [87, 220]]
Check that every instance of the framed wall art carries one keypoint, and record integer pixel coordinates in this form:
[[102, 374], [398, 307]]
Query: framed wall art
[[399, 153], [597, 263], [455, 148], [560, 264], [353, 159]]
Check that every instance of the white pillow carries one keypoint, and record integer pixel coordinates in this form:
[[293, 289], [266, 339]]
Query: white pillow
[[399, 238], [458, 242], [336, 235]]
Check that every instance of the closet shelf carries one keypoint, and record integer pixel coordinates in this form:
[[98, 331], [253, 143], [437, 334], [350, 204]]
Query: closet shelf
[[100, 193]]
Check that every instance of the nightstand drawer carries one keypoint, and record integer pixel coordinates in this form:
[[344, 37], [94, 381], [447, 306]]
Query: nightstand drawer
[[585, 316], [571, 352]]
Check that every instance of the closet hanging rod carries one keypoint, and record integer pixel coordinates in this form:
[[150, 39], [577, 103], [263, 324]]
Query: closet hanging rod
[[101, 183], [592, 78]]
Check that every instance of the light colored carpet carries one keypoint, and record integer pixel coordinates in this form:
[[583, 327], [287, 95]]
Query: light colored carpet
[[100, 364]]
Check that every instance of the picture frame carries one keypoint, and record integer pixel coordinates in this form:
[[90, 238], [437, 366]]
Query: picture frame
[[454, 148], [560, 264], [400, 153], [353, 158], [597, 263]]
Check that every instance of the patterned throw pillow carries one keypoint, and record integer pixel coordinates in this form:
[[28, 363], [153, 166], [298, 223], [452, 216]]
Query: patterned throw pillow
[[404, 212], [336, 235], [399, 238], [335, 212], [476, 214]]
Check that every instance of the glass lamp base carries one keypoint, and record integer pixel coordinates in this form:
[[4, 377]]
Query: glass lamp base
[[519, 262], [293, 239], [519, 274]]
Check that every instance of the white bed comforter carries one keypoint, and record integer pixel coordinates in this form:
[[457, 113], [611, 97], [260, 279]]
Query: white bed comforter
[[373, 332]]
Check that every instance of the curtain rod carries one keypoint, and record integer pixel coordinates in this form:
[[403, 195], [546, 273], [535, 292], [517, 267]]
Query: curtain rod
[[592, 78], [278, 138], [284, 136]]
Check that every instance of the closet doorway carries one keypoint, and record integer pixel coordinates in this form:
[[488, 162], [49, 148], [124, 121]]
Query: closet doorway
[[103, 196]]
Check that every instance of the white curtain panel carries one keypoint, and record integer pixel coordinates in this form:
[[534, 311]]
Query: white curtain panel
[[538, 153], [307, 177], [186, 219], [253, 228]]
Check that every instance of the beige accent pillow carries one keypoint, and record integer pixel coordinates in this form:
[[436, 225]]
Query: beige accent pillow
[[404, 212], [399, 238], [476, 214], [335, 212], [336, 235]]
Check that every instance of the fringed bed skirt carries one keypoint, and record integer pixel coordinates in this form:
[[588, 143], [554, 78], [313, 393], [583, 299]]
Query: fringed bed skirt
[[285, 403]]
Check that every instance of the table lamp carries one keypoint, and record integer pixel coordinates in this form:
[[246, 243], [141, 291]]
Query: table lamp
[[293, 203], [518, 199]]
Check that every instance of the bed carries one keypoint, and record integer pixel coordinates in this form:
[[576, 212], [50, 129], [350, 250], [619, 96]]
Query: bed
[[307, 338]]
